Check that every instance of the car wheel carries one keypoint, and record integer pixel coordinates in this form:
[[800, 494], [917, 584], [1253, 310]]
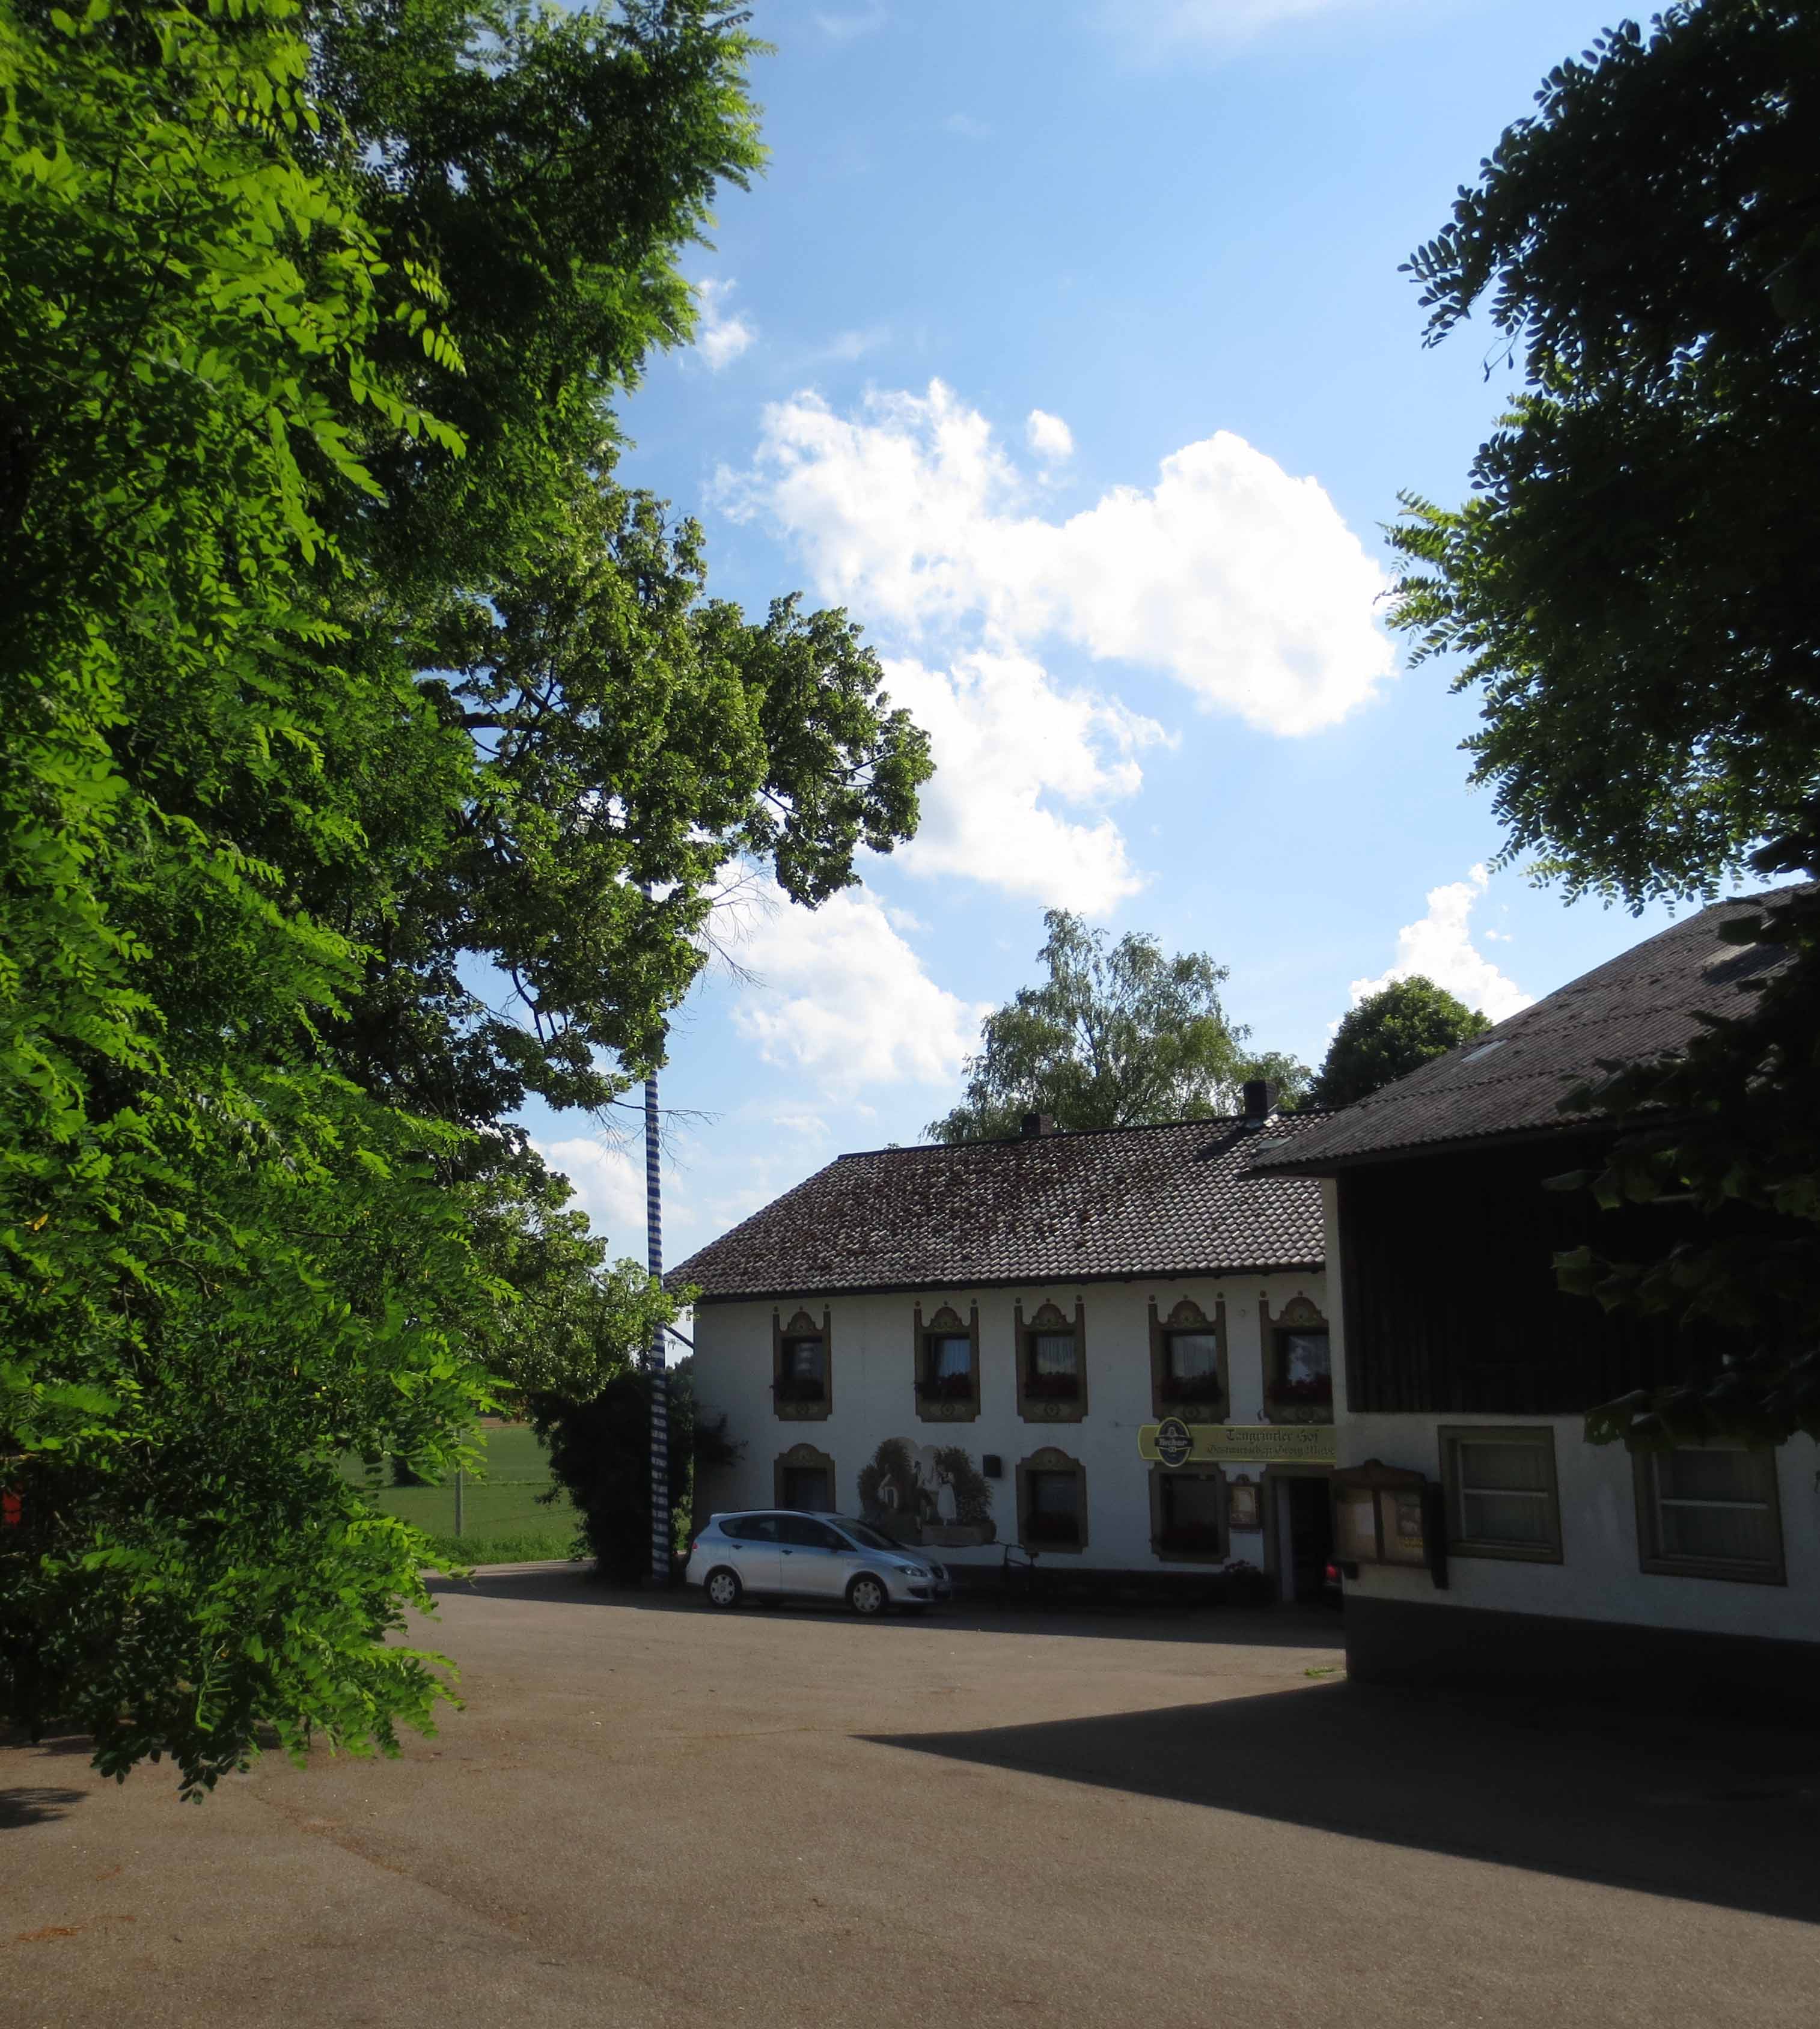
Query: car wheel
[[867, 1597], [722, 1589]]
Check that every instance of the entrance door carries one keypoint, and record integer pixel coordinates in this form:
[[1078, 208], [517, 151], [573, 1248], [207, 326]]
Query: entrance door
[[1309, 1510]]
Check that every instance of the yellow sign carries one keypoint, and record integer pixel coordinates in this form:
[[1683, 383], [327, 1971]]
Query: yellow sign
[[1250, 1444]]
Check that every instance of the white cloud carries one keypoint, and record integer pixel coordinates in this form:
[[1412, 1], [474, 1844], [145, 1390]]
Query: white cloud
[[970, 129], [1008, 744], [725, 335], [1440, 947], [850, 27], [609, 1186], [1048, 435], [840, 994], [1240, 582]]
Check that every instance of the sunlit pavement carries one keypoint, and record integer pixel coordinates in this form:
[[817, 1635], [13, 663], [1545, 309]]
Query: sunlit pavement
[[649, 1814]]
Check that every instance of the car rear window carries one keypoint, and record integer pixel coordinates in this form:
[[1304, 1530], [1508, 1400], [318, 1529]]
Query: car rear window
[[751, 1528]]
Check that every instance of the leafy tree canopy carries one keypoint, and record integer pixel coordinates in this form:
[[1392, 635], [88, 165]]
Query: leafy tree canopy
[[1631, 588], [1389, 1034], [1118, 1036], [339, 677]]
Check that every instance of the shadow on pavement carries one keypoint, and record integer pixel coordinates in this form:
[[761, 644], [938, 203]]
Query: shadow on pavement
[[24, 1806], [1708, 1813], [1243, 1626]]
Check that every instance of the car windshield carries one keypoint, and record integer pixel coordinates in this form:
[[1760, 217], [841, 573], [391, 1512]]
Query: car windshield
[[869, 1538]]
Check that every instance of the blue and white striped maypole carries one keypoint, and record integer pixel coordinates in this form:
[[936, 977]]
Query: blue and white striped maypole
[[659, 1391]]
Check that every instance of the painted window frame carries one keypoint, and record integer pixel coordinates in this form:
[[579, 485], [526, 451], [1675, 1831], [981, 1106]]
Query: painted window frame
[[790, 1409], [1300, 1313], [804, 1458], [1049, 1460], [1048, 1319], [944, 1409], [1450, 1435], [1186, 1315], [1656, 1562]]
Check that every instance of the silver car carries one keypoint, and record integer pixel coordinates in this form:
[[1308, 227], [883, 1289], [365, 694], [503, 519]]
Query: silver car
[[783, 1553]]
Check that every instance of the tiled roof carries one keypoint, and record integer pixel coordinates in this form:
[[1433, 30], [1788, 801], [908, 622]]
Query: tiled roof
[[1171, 1201], [1511, 1079]]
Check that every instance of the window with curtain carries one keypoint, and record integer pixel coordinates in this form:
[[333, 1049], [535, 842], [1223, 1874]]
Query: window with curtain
[[804, 1376], [949, 1365], [1710, 1513], [1052, 1370], [1191, 1366], [1501, 1497]]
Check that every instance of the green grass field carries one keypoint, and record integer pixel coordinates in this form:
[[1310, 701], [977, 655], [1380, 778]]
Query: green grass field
[[502, 1520]]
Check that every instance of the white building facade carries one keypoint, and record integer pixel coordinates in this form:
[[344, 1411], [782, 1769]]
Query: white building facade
[[968, 1415], [1063, 1473]]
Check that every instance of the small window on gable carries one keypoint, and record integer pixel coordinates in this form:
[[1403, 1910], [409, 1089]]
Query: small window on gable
[[1710, 1512]]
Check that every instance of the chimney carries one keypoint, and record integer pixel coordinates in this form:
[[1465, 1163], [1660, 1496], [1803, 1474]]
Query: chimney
[[1038, 1123], [1260, 1101]]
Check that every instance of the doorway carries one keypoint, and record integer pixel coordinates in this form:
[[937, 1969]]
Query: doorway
[[1304, 1537]]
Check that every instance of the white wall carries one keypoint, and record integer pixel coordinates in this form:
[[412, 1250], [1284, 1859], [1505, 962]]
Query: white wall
[[1599, 1577], [873, 1397]]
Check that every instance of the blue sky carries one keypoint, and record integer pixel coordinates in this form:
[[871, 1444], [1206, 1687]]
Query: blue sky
[[1063, 344]]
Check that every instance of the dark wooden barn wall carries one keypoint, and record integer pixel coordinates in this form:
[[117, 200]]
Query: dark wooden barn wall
[[1451, 1300]]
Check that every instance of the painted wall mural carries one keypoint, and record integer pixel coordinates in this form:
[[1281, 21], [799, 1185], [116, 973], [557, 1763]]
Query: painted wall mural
[[926, 1493]]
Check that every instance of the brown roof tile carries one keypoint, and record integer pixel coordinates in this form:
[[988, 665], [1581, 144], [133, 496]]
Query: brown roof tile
[[1169, 1200], [1511, 1079]]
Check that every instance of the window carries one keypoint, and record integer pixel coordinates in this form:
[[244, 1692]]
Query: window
[[1191, 1366], [807, 1535], [806, 1486], [1052, 1369], [946, 1364], [803, 1375], [1710, 1513], [1054, 1509], [1190, 1515], [948, 1367], [751, 1528], [1304, 1375], [1501, 1498], [802, 1368]]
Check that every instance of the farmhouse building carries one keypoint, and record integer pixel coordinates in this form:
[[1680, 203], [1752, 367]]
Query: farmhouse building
[[974, 1345], [1482, 1537]]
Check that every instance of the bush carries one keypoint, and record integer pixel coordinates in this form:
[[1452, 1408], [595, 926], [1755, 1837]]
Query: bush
[[601, 1456]]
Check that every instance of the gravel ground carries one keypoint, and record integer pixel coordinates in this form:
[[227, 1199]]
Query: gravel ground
[[650, 1815]]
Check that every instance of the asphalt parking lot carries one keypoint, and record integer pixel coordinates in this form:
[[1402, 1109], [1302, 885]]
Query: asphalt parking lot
[[649, 1814]]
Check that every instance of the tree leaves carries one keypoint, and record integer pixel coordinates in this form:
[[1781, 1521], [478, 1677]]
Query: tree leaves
[[1119, 1038]]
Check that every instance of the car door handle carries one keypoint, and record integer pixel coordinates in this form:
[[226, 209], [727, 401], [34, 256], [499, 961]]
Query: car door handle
[[790, 1553]]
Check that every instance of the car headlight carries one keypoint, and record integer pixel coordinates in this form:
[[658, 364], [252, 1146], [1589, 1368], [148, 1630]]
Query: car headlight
[[914, 1572]]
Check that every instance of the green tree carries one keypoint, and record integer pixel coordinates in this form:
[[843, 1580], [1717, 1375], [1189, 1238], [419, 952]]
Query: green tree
[[1117, 1036], [1630, 586], [1389, 1034], [337, 678]]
